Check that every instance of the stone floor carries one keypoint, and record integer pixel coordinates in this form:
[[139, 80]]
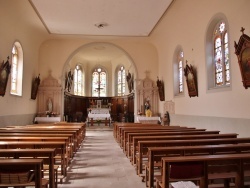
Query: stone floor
[[101, 163]]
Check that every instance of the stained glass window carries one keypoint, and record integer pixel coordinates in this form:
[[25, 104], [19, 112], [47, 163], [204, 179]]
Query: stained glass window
[[99, 83], [180, 71], [221, 55], [16, 69], [121, 80], [78, 80]]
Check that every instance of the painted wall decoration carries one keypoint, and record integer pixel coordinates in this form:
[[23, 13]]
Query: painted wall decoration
[[242, 50], [191, 79], [4, 75], [34, 88]]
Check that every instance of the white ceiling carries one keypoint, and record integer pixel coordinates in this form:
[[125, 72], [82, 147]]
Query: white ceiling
[[101, 17]]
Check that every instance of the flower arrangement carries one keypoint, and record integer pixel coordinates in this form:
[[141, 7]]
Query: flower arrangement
[[139, 113], [49, 114]]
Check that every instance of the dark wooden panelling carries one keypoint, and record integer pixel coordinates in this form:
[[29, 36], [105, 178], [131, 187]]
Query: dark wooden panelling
[[75, 107]]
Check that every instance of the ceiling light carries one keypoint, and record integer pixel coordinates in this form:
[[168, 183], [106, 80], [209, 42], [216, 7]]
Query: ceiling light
[[101, 25]]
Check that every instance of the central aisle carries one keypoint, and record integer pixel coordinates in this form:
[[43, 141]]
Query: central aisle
[[100, 163]]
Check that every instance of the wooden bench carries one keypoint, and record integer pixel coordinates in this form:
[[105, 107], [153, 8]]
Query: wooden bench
[[35, 134], [48, 154], [35, 165], [159, 128], [130, 136], [125, 137], [135, 146], [156, 153], [119, 129], [212, 167], [60, 147], [117, 124], [47, 131], [144, 145]]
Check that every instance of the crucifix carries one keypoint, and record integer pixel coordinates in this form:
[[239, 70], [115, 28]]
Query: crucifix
[[99, 81]]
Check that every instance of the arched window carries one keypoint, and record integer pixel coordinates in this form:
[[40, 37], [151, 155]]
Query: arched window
[[221, 55], [121, 80], [99, 83], [17, 69], [78, 80], [217, 54], [178, 73]]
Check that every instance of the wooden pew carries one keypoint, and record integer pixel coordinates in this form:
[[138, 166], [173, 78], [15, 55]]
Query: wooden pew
[[142, 126], [135, 146], [156, 153], [35, 134], [46, 131], [145, 132], [240, 162], [144, 145], [117, 124], [60, 147], [129, 136], [34, 153], [148, 128], [25, 164]]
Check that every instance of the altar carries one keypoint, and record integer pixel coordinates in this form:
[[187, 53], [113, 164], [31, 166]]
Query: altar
[[40, 120], [151, 120], [99, 115]]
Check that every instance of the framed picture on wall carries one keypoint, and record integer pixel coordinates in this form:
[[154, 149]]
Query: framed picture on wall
[[4, 75], [190, 74], [242, 50], [34, 88]]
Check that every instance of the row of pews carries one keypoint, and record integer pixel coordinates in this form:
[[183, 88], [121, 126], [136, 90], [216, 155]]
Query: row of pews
[[38, 155], [162, 155]]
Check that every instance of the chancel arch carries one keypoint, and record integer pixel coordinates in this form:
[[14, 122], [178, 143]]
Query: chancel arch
[[107, 57]]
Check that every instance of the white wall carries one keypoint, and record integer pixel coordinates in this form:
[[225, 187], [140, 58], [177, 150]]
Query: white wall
[[18, 23], [185, 24]]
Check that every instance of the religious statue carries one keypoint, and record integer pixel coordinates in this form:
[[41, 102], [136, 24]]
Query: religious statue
[[50, 105], [160, 86], [146, 105], [130, 81], [68, 80], [34, 88]]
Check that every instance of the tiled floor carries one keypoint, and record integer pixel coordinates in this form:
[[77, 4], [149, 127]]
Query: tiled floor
[[100, 163]]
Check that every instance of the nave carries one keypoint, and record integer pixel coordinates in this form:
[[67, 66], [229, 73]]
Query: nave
[[100, 163]]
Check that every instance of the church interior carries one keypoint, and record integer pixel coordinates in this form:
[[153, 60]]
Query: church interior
[[170, 63]]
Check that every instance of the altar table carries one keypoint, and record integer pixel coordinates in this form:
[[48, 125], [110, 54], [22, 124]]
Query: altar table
[[99, 118], [47, 119], [151, 120]]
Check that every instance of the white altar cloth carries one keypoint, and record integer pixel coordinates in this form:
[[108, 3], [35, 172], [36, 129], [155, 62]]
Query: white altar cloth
[[144, 119], [99, 116], [99, 110], [47, 119]]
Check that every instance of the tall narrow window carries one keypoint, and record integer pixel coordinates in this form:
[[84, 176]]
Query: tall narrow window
[[17, 69], [99, 79], [221, 55], [121, 80], [78, 80], [180, 71]]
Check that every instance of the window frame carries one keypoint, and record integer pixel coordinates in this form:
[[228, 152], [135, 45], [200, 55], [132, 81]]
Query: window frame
[[209, 55], [102, 73], [121, 69], [18, 56], [78, 69], [178, 57]]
